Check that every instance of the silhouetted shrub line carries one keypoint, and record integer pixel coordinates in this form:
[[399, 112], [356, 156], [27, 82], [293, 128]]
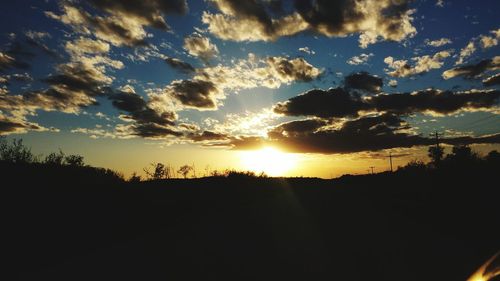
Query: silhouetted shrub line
[[460, 160]]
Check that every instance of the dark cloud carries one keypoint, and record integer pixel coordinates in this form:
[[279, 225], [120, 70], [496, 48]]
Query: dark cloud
[[36, 40], [363, 81], [49, 100], [297, 127], [114, 31], [9, 125], [208, 136], [492, 80], [139, 111], [338, 102], [473, 71], [255, 20], [179, 65], [147, 122], [335, 102], [386, 18], [435, 101], [74, 77], [153, 130], [194, 93], [253, 10], [10, 60], [364, 134], [147, 10]]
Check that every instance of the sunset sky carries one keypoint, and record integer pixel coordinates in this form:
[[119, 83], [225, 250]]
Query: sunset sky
[[291, 88]]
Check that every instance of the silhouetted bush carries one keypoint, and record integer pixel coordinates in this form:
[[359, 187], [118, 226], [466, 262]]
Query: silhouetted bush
[[55, 158], [414, 166], [15, 152], [74, 160], [134, 178]]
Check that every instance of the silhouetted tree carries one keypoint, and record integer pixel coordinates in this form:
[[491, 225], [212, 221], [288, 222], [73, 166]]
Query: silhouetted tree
[[134, 178], [462, 154], [159, 171], [55, 158], [74, 160], [184, 170], [15, 152], [436, 154]]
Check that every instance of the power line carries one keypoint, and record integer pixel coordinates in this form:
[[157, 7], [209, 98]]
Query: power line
[[478, 121]]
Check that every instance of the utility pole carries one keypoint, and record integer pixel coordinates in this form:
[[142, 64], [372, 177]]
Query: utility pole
[[438, 151], [371, 167], [390, 159], [436, 135]]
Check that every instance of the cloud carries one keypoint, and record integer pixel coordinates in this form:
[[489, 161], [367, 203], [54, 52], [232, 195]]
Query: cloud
[[363, 81], [361, 59], [75, 85], [492, 80], [438, 42], [483, 40], [251, 21], [297, 128], [15, 125], [84, 45], [198, 94], [243, 123], [152, 119], [180, 65], [490, 41], [139, 110], [393, 83], [289, 70], [373, 20], [340, 103], [147, 130], [401, 68], [8, 61], [434, 102], [124, 21], [149, 12], [369, 133], [253, 72], [306, 50], [37, 39], [466, 52], [200, 46], [19, 77], [207, 136], [335, 102], [440, 3], [255, 20], [363, 134], [472, 71]]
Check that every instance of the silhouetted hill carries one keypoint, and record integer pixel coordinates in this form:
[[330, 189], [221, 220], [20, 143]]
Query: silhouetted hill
[[82, 223]]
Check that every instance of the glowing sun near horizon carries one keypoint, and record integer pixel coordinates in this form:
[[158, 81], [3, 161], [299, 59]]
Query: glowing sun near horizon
[[269, 160]]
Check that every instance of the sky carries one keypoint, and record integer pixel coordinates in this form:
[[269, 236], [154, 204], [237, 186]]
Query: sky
[[292, 88]]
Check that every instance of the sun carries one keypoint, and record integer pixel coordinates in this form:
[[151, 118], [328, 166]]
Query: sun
[[269, 160]]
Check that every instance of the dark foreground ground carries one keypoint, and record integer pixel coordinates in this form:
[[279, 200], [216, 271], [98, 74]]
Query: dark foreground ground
[[71, 224]]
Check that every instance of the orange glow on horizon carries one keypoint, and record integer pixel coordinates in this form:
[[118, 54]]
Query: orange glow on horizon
[[269, 160]]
